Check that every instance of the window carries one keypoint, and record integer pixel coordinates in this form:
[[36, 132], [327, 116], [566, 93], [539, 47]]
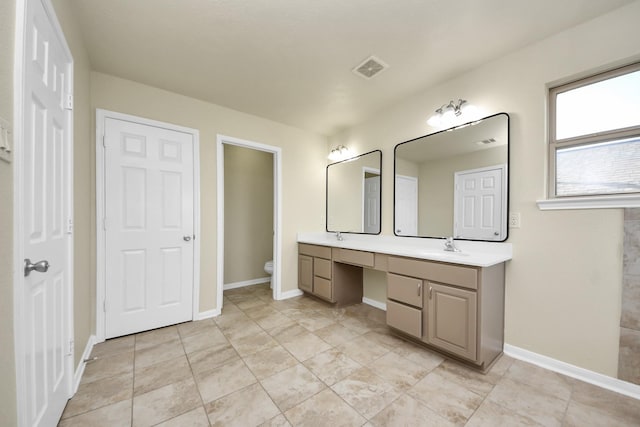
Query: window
[[594, 135]]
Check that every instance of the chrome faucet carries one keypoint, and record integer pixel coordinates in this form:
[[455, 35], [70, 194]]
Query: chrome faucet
[[339, 236], [450, 245]]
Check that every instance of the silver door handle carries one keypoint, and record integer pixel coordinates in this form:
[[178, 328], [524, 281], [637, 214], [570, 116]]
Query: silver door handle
[[40, 266], [187, 238]]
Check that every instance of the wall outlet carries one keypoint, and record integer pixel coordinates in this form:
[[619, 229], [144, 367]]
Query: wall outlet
[[514, 219]]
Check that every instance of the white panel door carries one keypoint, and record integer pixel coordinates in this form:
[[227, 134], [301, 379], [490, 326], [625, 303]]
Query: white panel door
[[371, 206], [479, 204], [149, 227], [406, 206], [46, 220]]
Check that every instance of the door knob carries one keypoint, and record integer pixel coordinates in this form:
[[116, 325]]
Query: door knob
[[495, 233], [187, 238], [40, 266]]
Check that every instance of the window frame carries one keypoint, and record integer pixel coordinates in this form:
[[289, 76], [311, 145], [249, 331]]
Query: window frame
[[590, 200]]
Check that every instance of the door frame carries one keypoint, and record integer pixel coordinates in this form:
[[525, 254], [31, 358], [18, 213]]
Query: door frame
[[19, 79], [374, 171], [101, 116], [277, 212], [503, 193]]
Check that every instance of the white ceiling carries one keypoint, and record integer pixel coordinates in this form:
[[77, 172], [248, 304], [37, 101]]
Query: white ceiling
[[291, 60]]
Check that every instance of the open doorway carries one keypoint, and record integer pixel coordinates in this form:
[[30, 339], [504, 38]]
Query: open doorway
[[241, 247]]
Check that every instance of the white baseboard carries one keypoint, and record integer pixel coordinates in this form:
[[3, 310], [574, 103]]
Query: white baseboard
[[290, 294], [208, 314], [244, 283], [77, 376], [600, 380], [374, 303]]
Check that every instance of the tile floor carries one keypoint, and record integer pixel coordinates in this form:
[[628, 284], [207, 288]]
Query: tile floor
[[301, 362]]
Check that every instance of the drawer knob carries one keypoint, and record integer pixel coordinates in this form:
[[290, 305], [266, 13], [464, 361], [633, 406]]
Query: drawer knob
[[419, 288]]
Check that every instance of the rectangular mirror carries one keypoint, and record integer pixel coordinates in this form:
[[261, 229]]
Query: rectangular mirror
[[354, 195], [454, 182]]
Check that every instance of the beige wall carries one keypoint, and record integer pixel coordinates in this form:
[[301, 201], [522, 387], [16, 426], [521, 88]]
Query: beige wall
[[564, 282], [8, 415], [303, 163], [248, 213]]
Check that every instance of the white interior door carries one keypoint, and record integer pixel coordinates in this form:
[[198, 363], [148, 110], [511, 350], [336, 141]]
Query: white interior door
[[45, 222], [406, 206], [149, 227], [480, 204], [371, 207]]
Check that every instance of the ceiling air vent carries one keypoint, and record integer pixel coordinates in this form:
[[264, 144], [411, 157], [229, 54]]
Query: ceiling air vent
[[486, 141], [370, 67]]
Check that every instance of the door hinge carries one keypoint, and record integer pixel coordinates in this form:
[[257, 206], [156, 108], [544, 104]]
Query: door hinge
[[71, 347], [68, 102], [104, 141], [69, 226]]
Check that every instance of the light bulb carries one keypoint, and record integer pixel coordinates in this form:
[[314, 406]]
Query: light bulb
[[435, 120]]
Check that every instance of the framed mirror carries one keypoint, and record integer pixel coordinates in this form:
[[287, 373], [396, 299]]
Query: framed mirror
[[454, 182], [354, 194]]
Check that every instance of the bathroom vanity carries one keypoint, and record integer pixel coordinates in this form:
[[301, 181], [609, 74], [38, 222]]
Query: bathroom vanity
[[450, 301]]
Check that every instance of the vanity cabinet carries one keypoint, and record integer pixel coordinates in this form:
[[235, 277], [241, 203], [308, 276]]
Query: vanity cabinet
[[314, 270], [454, 308]]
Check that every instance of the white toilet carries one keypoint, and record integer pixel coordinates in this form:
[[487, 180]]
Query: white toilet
[[268, 268]]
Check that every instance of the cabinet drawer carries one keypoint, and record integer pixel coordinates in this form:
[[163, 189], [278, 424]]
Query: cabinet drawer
[[350, 256], [405, 289], [438, 272], [322, 267], [314, 250], [322, 287], [404, 318]]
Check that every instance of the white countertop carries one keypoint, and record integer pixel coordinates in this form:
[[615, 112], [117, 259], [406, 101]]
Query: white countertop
[[479, 254]]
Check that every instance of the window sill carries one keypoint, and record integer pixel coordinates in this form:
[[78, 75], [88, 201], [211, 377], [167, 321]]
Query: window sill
[[591, 202]]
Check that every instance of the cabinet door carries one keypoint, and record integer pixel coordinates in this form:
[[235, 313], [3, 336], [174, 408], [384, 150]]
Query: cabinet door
[[452, 319], [305, 273]]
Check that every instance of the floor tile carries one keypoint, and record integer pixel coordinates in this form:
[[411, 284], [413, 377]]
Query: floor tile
[[366, 392], [115, 415], [490, 415], [211, 338], [277, 421], [99, 393], [424, 357], [223, 380], [542, 379], [272, 320], [336, 334], [362, 350], [204, 361], [292, 386], [476, 381], [324, 409], [606, 401], [331, 366], [269, 362], [407, 411], [157, 336], [159, 353], [161, 374], [114, 346], [399, 371], [315, 321], [579, 415], [286, 332], [531, 402], [110, 366], [305, 346], [165, 403], [194, 418], [446, 398], [249, 406], [254, 343], [191, 328]]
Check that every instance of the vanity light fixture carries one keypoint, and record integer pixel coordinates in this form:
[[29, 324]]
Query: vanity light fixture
[[448, 114], [339, 153]]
